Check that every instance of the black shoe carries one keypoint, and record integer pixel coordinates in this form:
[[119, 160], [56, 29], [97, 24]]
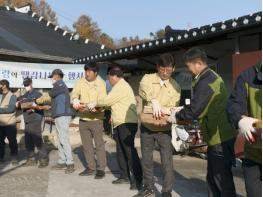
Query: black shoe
[[136, 186], [59, 166], [14, 161], [70, 169], [100, 174], [87, 172], [121, 181], [43, 163], [166, 194], [145, 193]]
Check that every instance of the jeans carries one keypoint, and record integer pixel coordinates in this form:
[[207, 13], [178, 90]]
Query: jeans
[[64, 148]]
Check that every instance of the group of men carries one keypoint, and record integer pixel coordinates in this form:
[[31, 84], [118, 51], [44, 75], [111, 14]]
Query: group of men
[[220, 119]]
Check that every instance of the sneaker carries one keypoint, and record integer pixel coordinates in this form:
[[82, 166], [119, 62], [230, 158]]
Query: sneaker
[[31, 162], [121, 181], [87, 172], [70, 169], [59, 166], [100, 174], [166, 194], [43, 163], [145, 193]]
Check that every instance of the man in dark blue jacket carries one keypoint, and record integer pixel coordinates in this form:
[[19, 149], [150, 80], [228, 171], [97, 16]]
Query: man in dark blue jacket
[[61, 112]]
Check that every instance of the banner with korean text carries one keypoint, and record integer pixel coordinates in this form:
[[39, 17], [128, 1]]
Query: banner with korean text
[[15, 72]]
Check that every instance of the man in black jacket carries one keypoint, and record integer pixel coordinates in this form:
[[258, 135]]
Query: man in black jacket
[[33, 118]]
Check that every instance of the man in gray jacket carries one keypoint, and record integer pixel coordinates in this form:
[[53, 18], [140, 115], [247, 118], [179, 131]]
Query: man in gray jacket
[[8, 121]]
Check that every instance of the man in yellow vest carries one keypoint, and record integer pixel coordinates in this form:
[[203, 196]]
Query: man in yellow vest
[[88, 89], [160, 91], [122, 102], [8, 121]]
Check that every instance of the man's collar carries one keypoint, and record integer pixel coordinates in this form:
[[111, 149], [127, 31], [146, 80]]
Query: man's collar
[[198, 75], [158, 80], [259, 71]]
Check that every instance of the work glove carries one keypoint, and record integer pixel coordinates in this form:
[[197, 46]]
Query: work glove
[[157, 110], [76, 103], [172, 119], [91, 105], [246, 128]]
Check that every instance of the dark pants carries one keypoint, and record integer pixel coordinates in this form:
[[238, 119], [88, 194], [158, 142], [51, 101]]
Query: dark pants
[[253, 178], [220, 159], [33, 138], [106, 122], [90, 130], [127, 156], [163, 139], [8, 132]]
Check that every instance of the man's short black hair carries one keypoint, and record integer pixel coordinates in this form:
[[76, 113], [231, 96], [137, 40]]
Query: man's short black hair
[[27, 81], [91, 66], [57, 72], [5, 82], [165, 59], [195, 53], [115, 70]]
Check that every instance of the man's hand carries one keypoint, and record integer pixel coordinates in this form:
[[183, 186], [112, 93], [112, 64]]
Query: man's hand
[[91, 105], [18, 104], [246, 128], [76, 104], [157, 110], [30, 111]]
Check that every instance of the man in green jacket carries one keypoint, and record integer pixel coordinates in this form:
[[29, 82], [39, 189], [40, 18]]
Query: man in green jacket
[[208, 106], [245, 112]]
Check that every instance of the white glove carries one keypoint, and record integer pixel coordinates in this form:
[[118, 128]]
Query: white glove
[[91, 105], [76, 103], [157, 110], [246, 127], [177, 109], [172, 118]]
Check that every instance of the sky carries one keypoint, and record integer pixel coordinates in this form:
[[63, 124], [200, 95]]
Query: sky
[[125, 18]]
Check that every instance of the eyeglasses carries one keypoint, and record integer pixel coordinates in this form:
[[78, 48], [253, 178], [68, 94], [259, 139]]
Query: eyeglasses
[[166, 69]]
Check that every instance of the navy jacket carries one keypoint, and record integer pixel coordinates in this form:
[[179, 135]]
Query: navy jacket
[[202, 93], [60, 102], [238, 103]]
